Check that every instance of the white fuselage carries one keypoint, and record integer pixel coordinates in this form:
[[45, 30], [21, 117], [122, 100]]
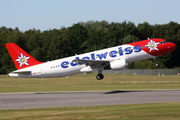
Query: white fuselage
[[66, 66]]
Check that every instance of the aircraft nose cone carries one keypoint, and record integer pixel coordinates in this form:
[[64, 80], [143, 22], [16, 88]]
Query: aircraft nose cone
[[171, 46]]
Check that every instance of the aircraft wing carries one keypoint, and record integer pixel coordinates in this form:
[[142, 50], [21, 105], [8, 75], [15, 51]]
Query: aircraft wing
[[92, 63]]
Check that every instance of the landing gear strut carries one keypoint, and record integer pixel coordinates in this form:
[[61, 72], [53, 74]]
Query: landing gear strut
[[100, 76], [155, 61]]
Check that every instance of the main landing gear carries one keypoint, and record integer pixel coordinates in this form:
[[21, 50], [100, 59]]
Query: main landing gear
[[100, 76]]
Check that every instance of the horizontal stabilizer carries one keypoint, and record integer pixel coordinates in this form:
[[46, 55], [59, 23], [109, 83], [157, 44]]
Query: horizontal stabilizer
[[18, 73]]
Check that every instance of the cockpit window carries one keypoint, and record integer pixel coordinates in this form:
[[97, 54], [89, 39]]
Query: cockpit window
[[163, 42]]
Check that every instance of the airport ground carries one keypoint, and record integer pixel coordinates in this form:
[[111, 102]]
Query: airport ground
[[88, 83], [111, 82]]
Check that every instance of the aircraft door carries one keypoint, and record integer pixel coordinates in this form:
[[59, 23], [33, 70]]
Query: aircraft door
[[43, 70]]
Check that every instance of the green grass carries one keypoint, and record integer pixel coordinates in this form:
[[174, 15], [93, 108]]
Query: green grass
[[88, 83], [155, 111]]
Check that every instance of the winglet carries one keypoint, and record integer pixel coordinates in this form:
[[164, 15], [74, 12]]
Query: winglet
[[20, 58]]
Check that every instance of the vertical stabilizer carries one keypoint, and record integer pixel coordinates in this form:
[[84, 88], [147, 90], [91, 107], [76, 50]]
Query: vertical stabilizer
[[20, 58]]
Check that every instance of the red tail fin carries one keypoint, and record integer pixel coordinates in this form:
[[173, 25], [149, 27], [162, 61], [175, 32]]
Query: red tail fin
[[20, 58]]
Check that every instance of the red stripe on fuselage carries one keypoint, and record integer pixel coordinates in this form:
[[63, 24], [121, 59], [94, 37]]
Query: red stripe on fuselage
[[159, 49]]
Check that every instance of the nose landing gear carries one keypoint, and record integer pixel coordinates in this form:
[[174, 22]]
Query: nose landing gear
[[155, 61]]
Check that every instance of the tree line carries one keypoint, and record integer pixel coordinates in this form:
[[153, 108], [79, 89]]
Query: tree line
[[89, 36]]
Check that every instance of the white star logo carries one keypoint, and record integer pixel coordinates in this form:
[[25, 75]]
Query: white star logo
[[152, 45], [22, 60]]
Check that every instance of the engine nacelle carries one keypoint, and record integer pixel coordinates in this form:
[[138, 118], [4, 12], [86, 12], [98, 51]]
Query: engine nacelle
[[86, 69], [118, 64]]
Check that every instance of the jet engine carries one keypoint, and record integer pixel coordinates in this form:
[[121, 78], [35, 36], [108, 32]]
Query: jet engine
[[118, 64], [86, 69]]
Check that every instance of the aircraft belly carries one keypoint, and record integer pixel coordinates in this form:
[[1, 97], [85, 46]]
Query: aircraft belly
[[61, 72], [136, 57]]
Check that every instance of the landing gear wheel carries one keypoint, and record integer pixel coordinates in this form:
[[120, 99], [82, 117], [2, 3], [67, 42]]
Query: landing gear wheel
[[102, 76], [99, 76]]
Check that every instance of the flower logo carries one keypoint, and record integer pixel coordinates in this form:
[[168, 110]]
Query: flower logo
[[152, 45], [22, 60]]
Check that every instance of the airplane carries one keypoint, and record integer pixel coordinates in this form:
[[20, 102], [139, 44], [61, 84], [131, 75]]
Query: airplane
[[114, 58]]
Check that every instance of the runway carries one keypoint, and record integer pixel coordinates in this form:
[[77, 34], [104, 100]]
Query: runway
[[85, 98]]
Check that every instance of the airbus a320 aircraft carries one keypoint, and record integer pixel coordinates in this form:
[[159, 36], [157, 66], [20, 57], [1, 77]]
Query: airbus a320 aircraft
[[114, 58]]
